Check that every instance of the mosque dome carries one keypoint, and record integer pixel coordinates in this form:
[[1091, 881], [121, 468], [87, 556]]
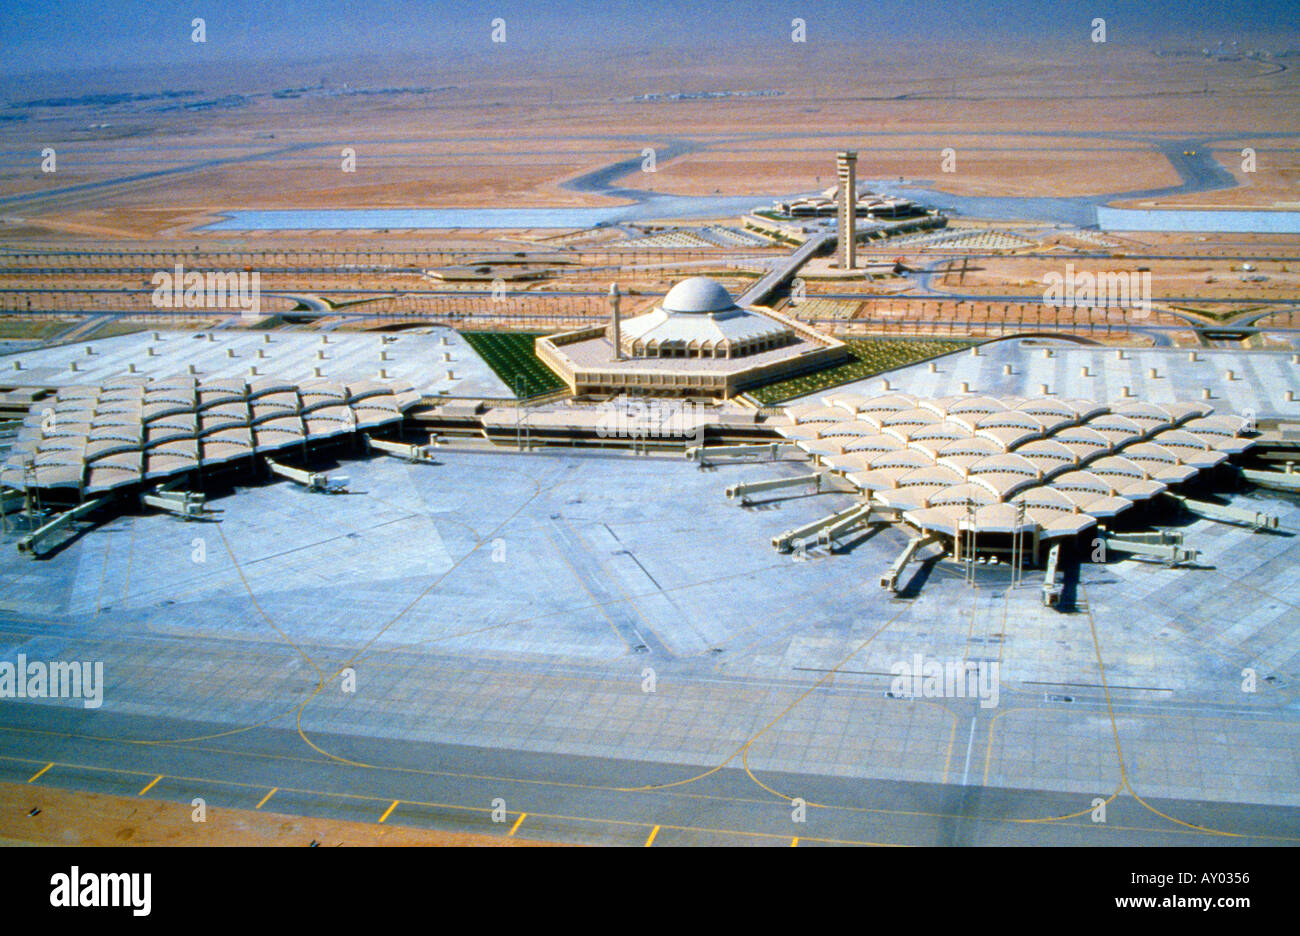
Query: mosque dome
[[698, 294], [699, 319]]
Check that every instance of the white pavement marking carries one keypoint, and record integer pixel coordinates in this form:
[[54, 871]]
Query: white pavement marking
[[970, 744]]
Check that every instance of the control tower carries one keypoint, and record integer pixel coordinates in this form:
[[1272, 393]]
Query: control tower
[[846, 169]]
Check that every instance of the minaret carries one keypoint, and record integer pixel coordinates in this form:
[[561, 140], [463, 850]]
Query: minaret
[[846, 170], [617, 335]]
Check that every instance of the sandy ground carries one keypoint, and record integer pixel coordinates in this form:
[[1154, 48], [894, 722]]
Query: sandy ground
[[1273, 184], [1019, 126], [1210, 278], [67, 818], [982, 167]]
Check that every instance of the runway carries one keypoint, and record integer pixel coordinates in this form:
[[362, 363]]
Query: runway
[[586, 800]]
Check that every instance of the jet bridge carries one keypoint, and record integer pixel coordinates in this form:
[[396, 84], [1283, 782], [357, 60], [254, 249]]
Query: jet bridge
[[1051, 587], [30, 543], [417, 454], [867, 513], [1286, 480], [710, 454], [742, 491], [311, 480], [12, 501], [1164, 546], [188, 505], [889, 580], [840, 520], [1255, 519]]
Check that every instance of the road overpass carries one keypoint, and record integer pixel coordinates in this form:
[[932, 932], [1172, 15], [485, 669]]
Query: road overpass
[[781, 273]]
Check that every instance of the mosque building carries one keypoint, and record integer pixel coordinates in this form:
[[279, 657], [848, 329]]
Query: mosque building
[[696, 342]]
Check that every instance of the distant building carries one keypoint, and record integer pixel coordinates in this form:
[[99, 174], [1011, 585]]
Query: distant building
[[868, 205], [860, 204]]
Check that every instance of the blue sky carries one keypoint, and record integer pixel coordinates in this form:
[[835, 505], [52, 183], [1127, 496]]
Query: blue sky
[[40, 35]]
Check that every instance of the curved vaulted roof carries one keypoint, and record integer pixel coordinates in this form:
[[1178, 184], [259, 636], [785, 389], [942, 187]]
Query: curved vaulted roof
[[100, 438], [1068, 462]]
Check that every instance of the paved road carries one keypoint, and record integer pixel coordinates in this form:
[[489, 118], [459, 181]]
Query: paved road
[[921, 296], [44, 198], [581, 799], [778, 275]]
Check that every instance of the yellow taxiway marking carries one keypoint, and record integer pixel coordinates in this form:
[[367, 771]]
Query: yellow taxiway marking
[[794, 842], [36, 776], [651, 840], [262, 803], [518, 822], [150, 786], [626, 823], [389, 811]]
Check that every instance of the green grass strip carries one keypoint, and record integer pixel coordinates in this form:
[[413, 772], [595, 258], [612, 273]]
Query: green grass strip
[[871, 356], [511, 355]]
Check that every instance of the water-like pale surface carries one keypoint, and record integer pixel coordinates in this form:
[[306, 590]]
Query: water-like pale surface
[[342, 219], [1223, 222]]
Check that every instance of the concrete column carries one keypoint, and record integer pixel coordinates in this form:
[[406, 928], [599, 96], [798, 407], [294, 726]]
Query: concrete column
[[617, 330]]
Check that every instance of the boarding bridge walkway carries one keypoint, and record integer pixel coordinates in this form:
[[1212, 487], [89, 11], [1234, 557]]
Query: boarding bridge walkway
[[778, 275]]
